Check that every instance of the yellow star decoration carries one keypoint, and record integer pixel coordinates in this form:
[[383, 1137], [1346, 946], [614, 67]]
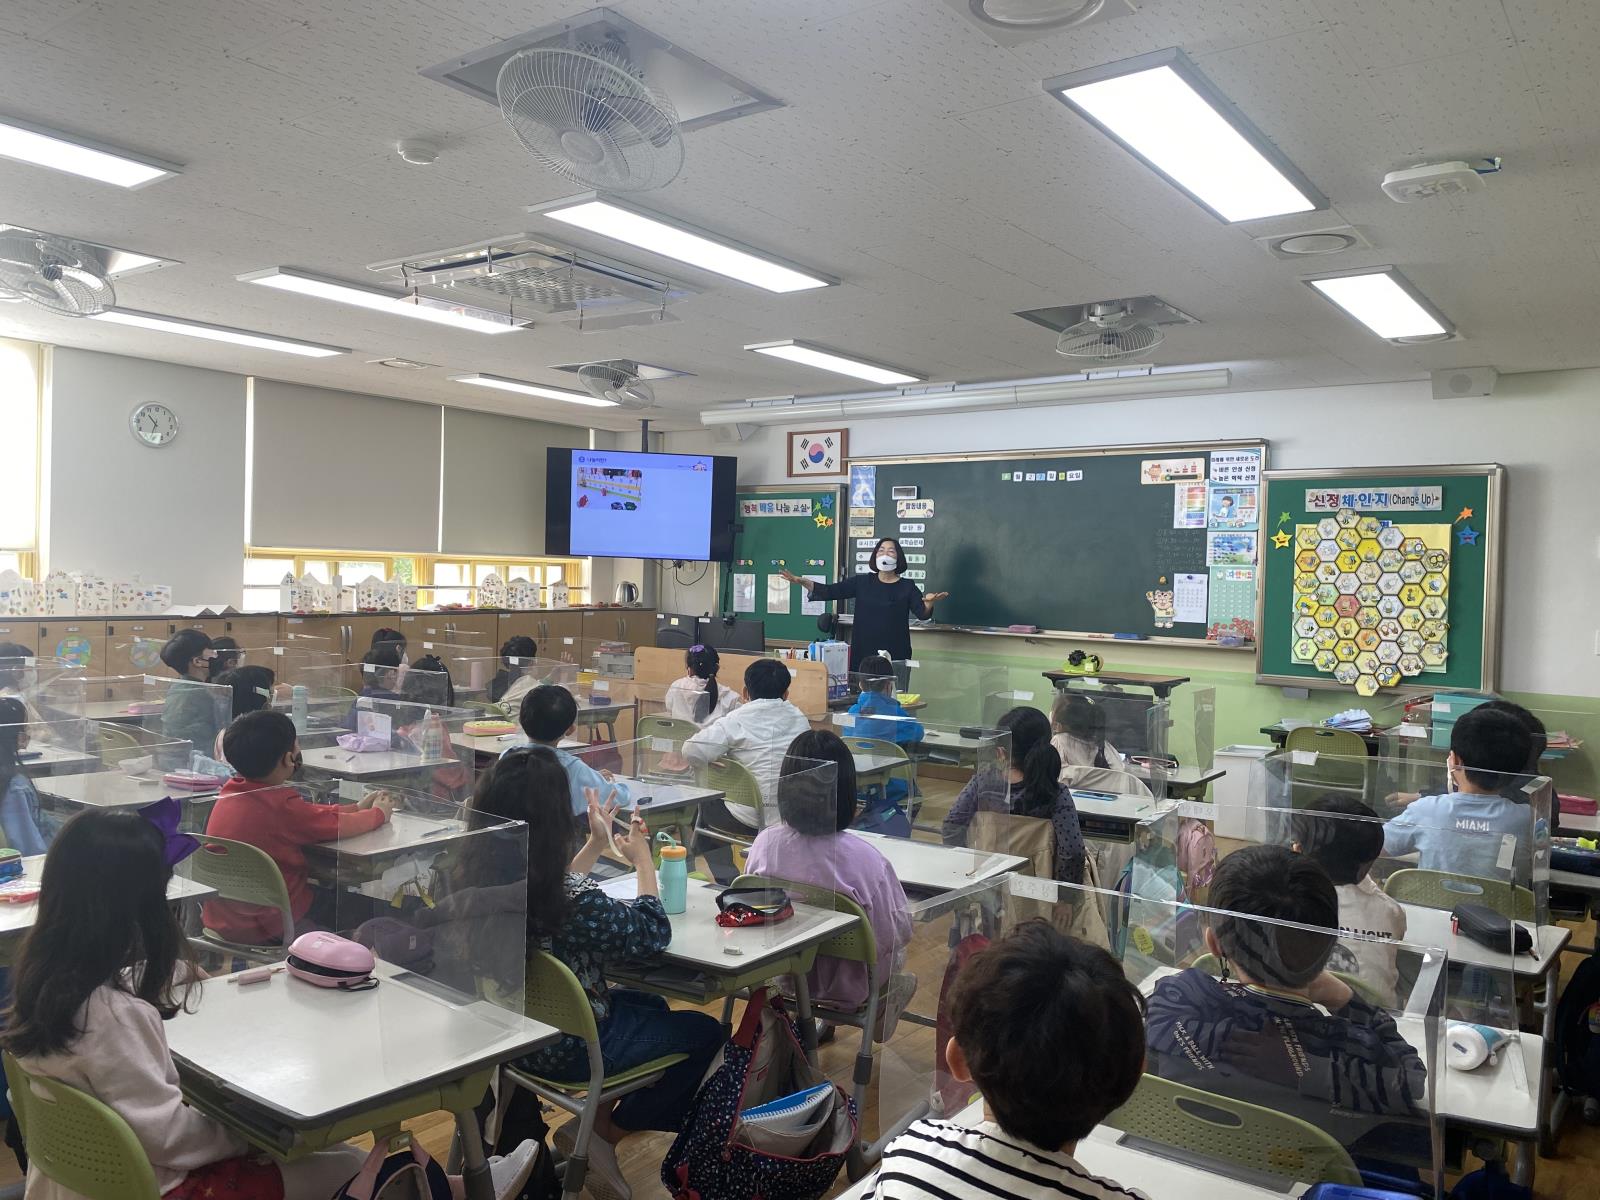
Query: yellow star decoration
[[1280, 540], [823, 522]]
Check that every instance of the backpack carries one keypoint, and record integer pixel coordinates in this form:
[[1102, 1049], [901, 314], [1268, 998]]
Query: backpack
[[402, 1175], [1197, 853], [952, 1095], [1577, 1024]]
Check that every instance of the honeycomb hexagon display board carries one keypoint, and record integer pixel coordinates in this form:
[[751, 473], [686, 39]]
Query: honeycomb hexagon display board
[[1351, 566]]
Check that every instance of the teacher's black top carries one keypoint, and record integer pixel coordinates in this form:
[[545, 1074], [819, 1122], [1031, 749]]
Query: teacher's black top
[[883, 614]]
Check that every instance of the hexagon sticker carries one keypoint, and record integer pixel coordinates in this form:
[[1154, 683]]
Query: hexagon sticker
[[1388, 652], [1345, 651], [1388, 675], [1410, 619], [1390, 606], [1410, 641], [1368, 594], [1304, 582], [1413, 547], [1410, 664], [1324, 639], [1434, 585], [1346, 607], [1307, 535], [1347, 627], [1325, 660], [1326, 593], [1368, 527], [1347, 560], [1304, 626], [1366, 662], [1411, 570], [1327, 528], [1367, 618], [1410, 595], [1305, 605], [1307, 559], [1390, 584], [1389, 631], [1433, 654], [1368, 549], [1432, 631], [1346, 517], [1348, 539], [1436, 560], [1390, 560], [1433, 606], [1346, 673], [1326, 617], [1304, 650], [1367, 639], [1368, 572], [1347, 584], [1390, 538], [1327, 572], [1366, 685], [1328, 550]]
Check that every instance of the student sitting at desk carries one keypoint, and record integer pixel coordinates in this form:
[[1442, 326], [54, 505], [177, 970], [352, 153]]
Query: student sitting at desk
[[259, 807], [880, 715], [1487, 747], [19, 675], [548, 714], [390, 637], [380, 677], [1026, 784], [1277, 1029], [104, 967], [252, 691], [1344, 837], [756, 734], [1043, 1092], [518, 673], [22, 823], [572, 919], [697, 696], [810, 845], [1087, 759], [226, 655], [189, 713], [425, 688]]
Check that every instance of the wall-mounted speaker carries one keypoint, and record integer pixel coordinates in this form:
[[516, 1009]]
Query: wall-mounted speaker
[[1456, 382]]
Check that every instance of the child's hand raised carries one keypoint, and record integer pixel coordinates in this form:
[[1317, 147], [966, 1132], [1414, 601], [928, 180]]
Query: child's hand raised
[[600, 815], [635, 846]]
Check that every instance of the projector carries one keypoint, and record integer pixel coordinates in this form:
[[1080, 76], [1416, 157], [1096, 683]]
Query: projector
[[1430, 180]]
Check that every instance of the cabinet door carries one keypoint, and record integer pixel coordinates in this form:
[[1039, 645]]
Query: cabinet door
[[252, 631], [322, 633], [638, 627], [360, 630], [462, 629], [81, 643], [517, 624], [212, 627], [21, 633], [561, 632], [133, 646]]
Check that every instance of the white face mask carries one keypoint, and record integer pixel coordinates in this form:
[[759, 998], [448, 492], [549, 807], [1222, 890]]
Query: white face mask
[[886, 562]]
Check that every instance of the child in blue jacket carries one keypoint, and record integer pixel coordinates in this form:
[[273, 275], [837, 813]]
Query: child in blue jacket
[[880, 716]]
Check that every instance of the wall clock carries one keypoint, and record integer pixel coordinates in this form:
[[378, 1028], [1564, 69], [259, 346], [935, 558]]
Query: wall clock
[[154, 424]]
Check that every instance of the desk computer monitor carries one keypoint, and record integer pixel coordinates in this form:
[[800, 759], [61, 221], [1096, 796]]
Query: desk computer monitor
[[677, 631], [729, 633]]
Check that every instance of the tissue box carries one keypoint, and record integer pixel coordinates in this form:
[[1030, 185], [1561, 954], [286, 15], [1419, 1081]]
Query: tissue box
[[1448, 708]]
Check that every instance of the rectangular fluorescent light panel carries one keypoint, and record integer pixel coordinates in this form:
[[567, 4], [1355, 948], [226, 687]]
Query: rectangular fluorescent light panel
[[671, 240], [827, 360], [1162, 109], [532, 389], [76, 156], [1386, 303], [216, 333], [423, 308]]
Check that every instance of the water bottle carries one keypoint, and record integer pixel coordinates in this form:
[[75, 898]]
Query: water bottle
[[1468, 1045], [432, 741], [300, 708], [673, 877]]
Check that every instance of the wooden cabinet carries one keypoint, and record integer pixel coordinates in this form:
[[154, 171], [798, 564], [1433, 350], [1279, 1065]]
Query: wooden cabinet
[[560, 632], [462, 629], [253, 630], [517, 624], [632, 627], [133, 646], [80, 642], [324, 632], [21, 633]]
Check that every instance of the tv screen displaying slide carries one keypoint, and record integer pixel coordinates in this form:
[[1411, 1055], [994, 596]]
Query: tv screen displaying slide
[[624, 504]]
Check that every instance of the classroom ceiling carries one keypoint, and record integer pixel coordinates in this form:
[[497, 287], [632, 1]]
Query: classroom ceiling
[[915, 159]]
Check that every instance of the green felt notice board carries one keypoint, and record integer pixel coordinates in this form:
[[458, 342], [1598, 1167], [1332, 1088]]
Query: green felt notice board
[[793, 527], [1398, 595], [1072, 540]]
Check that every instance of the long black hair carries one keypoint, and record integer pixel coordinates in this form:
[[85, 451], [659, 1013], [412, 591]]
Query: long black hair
[[529, 785], [1083, 720], [514, 648], [120, 932], [13, 724], [1036, 758], [13, 661], [803, 797], [248, 684], [428, 682], [228, 656], [703, 663]]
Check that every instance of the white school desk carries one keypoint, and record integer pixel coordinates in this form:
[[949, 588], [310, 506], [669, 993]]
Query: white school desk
[[496, 744], [933, 870], [41, 759], [869, 764], [17, 919], [114, 789], [1109, 818], [1431, 927], [1185, 782], [1579, 823], [294, 1068], [343, 764], [124, 712], [401, 833]]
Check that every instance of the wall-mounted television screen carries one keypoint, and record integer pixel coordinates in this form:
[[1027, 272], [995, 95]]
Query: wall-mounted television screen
[[626, 504]]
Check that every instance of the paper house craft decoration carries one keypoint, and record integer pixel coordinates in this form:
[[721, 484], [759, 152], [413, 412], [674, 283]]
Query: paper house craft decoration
[[19, 597], [371, 593], [60, 595], [521, 594], [492, 592], [558, 595]]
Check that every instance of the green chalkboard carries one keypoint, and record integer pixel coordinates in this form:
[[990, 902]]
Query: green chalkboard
[[793, 527], [1457, 509], [1068, 540]]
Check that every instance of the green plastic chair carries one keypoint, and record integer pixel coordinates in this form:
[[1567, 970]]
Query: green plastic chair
[[247, 875], [118, 744], [1446, 889], [673, 729], [554, 996], [733, 779], [76, 1141], [487, 707], [905, 769], [1222, 1129], [1340, 766]]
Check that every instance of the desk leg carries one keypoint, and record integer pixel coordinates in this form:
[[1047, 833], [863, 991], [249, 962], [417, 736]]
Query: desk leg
[[474, 1165], [808, 1027]]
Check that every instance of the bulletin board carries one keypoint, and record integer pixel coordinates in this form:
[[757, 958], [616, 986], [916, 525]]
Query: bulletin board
[[782, 527], [1155, 541], [1382, 579]]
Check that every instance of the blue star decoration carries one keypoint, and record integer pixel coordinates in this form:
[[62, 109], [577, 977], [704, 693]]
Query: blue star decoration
[[1468, 535]]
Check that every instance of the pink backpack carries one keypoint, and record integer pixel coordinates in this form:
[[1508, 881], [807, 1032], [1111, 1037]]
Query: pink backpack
[[1197, 852]]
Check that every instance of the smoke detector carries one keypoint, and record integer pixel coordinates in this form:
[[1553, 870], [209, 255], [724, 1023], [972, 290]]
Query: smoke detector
[[1314, 243], [1430, 180], [419, 152]]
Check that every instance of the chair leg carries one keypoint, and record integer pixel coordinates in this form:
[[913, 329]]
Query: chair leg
[[808, 1027], [474, 1163]]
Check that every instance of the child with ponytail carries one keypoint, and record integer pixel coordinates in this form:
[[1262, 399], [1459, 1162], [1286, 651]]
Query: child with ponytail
[[518, 674], [1080, 738], [1027, 784], [697, 696]]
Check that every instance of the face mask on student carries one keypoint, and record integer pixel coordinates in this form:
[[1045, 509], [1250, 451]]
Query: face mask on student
[[886, 562]]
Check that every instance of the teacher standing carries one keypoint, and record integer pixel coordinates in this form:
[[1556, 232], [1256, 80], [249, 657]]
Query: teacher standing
[[884, 604]]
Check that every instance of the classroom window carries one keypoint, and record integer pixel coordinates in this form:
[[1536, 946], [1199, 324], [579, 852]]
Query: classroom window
[[442, 579], [19, 480]]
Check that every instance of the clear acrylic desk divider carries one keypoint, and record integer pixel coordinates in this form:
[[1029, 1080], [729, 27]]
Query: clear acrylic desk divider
[[187, 709], [50, 689], [1132, 722], [471, 668], [288, 660], [130, 776]]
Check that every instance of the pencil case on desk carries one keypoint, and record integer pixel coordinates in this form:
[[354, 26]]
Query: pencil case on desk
[[1481, 924], [10, 863]]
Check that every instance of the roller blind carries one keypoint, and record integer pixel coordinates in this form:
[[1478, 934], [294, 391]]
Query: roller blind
[[342, 470], [494, 468]]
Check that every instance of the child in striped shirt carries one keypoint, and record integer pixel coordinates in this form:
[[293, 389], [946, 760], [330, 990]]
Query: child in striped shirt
[[1052, 1033]]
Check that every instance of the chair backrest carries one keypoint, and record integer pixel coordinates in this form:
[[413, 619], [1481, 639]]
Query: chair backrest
[[1340, 764], [905, 766], [554, 995], [1033, 838], [732, 778], [673, 729], [857, 943], [487, 707], [244, 873], [118, 744], [78, 1142], [1223, 1129], [1446, 889]]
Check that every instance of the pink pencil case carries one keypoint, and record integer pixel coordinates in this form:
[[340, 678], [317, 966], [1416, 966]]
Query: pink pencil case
[[330, 961], [1579, 806], [362, 743], [192, 781]]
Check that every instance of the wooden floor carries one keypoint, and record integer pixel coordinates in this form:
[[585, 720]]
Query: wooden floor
[[904, 1073]]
